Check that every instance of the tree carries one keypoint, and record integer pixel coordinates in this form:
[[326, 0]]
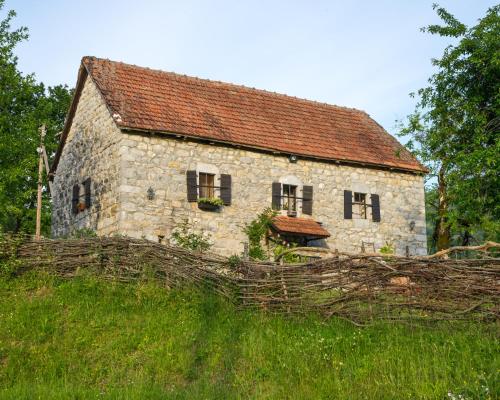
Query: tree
[[24, 106], [455, 129]]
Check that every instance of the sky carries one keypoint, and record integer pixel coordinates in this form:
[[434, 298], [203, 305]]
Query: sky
[[367, 54]]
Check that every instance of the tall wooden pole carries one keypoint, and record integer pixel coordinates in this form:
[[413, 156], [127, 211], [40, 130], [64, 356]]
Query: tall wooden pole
[[40, 182]]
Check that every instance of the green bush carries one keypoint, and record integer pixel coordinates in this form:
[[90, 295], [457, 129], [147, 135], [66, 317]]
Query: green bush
[[9, 263], [289, 258], [388, 248], [83, 233], [234, 261], [184, 237], [256, 231]]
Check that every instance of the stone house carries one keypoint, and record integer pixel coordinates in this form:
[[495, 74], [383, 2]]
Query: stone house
[[142, 150]]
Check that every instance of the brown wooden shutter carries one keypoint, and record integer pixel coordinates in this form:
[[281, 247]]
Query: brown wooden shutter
[[375, 208], [276, 193], [225, 189], [75, 199], [88, 194], [307, 200], [192, 186], [347, 204]]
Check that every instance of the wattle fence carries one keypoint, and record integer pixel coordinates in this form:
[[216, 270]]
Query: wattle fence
[[358, 287]]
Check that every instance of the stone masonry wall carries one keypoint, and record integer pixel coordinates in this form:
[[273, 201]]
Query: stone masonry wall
[[124, 166], [91, 150], [161, 163]]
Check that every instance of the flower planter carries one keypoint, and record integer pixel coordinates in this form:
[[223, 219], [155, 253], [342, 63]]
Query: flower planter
[[208, 207]]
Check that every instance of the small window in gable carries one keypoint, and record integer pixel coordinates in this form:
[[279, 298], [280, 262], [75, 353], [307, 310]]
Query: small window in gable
[[82, 196], [206, 185]]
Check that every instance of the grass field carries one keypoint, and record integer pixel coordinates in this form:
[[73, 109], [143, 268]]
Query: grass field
[[85, 338]]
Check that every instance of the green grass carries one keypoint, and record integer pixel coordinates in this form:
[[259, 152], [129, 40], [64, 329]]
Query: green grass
[[85, 338]]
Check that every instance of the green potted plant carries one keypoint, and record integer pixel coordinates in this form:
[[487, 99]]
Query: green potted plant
[[209, 203]]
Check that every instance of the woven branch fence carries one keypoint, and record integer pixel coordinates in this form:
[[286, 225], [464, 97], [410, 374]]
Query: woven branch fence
[[358, 287]]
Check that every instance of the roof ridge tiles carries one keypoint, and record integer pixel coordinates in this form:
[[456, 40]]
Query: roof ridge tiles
[[224, 83]]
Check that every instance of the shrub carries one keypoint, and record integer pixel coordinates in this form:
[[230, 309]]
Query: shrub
[[388, 248], [234, 261], [9, 263], [289, 258], [256, 231], [83, 233], [184, 237]]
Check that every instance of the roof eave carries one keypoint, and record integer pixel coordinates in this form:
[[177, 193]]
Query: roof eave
[[302, 234], [82, 76], [357, 163], [305, 235]]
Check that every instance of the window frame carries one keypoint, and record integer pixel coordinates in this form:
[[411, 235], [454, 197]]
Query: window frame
[[361, 201], [290, 195], [85, 193], [206, 189]]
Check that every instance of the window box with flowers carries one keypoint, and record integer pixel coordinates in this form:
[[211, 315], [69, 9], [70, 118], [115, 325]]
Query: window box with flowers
[[209, 203]]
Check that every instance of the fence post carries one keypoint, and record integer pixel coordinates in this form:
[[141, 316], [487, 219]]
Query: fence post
[[40, 183], [245, 250]]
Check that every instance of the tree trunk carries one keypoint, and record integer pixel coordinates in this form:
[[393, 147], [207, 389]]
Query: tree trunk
[[442, 227]]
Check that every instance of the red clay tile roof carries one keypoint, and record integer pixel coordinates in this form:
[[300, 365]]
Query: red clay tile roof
[[299, 226], [160, 101]]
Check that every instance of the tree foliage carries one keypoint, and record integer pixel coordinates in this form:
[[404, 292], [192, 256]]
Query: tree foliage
[[455, 129], [24, 106]]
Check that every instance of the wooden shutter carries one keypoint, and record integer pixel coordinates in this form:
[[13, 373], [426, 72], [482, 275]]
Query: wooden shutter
[[347, 204], [88, 194], [192, 186], [75, 198], [375, 208], [307, 200], [276, 193], [225, 189]]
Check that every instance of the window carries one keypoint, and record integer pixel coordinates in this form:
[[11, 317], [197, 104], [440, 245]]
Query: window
[[285, 197], [355, 206], [82, 197], [360, 200], [290, 197], [202, 185], [207, 185]]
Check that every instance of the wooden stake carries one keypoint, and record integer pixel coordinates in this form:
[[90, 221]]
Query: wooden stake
[[40, 182], [47, 168]]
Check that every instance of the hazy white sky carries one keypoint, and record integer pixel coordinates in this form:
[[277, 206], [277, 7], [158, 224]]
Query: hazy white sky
[[363, 54]]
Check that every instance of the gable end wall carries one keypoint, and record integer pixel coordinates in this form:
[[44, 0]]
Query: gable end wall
[[91, 150]]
